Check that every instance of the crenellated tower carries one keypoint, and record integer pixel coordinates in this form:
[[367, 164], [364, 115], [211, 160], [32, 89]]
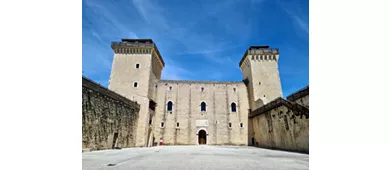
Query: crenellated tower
[[136, 70], [259, 67]]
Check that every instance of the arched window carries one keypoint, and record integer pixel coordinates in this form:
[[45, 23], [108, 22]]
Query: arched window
[[203, 107], [202, 89], [137, 66], [233, 105], [135, 84], [169, 108]]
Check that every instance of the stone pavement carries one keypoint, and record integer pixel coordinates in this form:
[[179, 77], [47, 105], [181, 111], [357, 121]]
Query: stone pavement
[[195, 157]]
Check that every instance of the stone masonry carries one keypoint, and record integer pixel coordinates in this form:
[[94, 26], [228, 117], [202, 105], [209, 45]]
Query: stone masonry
[[282, 124], [202, 112], [108, 119]]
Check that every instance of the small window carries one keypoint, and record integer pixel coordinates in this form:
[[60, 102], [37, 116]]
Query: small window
[[230, 125], [202, 89], [170, 88], [162, 124], [234, 89], [177, 124], [135, 84], [263, 95], [137, 66], [203, 107], [233, 105], [241, 125], [150, 121], [169, 108]]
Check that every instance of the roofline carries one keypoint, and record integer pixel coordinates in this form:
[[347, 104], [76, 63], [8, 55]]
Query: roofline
[[151, 41], [297, 108], [301, 92], [247, 50], [90, 84], [200, 82]]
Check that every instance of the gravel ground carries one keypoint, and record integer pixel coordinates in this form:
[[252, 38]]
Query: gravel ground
[[195, 157]]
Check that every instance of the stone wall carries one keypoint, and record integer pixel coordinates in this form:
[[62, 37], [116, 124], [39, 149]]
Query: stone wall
[[301, 97], [281, 124], [108, 119], [187, 97]]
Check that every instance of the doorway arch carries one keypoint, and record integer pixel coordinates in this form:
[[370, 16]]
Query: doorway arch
[[202, 136]]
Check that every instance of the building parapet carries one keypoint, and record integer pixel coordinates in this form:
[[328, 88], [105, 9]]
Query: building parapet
[[200, 82], [89, 84], [259, 50], [298, 94], [297, 108], [126, 43]]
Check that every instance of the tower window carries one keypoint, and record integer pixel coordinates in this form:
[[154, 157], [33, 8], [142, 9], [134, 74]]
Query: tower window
[[170, 88], [202, 89], [241, 125], [234, 89], [203, 107], [233, 105], [169, 108], [135, 84], [177, 124], [162, 124], [230, 125], [137, 66]]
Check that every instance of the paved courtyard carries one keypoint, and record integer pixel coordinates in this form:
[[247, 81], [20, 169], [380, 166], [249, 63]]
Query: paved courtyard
[[194, 157]]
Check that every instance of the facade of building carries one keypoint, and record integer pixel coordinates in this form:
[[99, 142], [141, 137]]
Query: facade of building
[[182, 112]]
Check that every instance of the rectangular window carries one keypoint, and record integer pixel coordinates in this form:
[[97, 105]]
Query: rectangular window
[[177, 124], [241, 125], [162, 124]]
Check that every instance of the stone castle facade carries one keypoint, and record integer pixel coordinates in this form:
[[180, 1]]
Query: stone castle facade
[[193, 112]]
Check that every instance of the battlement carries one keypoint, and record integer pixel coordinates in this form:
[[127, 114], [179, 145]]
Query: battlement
[[259, 50], [136, 46]]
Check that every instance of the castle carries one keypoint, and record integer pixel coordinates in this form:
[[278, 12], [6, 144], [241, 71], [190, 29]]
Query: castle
[[249, 112]]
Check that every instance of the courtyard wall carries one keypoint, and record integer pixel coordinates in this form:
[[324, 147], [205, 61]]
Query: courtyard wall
[[281, 124], [109, 120]]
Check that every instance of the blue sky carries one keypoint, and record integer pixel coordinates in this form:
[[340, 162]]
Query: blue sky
[[202, 39]]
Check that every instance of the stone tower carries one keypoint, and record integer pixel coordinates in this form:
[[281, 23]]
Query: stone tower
[[259, 67], [136, 70]]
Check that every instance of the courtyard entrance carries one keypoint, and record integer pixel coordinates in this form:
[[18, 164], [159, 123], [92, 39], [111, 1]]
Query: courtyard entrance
[[202, 137]]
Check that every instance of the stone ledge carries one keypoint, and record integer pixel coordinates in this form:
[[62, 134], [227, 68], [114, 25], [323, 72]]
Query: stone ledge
[[297, 108], [89, 84], [200, 82], [298, 94]]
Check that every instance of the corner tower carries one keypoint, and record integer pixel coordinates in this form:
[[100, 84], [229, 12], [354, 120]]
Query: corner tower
[[136, 70], [259, 67]]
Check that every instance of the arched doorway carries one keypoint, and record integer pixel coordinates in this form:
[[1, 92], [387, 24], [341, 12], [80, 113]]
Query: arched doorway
[[202, 137]]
